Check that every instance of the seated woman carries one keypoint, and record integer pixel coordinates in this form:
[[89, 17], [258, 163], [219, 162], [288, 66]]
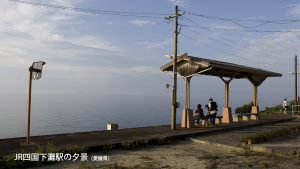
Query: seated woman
[[200, 113]]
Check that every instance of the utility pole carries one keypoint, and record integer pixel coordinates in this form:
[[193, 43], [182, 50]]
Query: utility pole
[[174, 105], [295, 73], [295, 82]]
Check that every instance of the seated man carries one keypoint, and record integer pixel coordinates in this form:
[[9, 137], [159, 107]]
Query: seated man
[[208, 112], [200, 113]]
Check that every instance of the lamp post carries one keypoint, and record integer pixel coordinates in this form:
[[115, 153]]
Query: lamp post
[[35, 73]]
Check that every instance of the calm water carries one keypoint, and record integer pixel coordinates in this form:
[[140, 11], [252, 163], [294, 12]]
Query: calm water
[[69, 113]]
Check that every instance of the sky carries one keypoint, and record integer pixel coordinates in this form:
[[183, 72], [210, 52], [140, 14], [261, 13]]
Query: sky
[[108, 53]]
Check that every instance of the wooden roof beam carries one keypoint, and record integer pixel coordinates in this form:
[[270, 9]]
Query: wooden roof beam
[[227, 81], [251, 80], [261, 80]]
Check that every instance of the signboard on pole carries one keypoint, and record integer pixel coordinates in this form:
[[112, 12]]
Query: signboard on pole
[[37, 68], [35, 73]]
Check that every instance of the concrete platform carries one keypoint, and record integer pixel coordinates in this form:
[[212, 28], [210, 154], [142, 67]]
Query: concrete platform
[[97, 139]]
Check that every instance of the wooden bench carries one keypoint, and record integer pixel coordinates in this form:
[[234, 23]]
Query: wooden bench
[[245, 116], [205, 120]]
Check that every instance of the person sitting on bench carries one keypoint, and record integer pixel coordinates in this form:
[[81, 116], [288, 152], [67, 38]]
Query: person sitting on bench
[[200, 113], [208, 112]]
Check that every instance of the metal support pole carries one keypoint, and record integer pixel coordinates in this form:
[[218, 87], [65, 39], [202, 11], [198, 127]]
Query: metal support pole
[[29, 106]]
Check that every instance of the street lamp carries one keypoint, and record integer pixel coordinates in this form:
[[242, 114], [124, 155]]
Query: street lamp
[[35, 73]]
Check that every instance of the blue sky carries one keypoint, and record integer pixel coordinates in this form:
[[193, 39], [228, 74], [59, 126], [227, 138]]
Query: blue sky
[[112, 54]]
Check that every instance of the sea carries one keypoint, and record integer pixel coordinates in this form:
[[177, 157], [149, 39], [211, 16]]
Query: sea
[[71, 113]]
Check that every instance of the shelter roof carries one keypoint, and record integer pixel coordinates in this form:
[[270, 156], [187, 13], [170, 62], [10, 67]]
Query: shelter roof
[[188, 66]]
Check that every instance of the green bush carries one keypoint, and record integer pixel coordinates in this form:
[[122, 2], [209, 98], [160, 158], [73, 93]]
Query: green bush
[[72, 149], [271, 110], [265, 133], [246, 108], [290, 105], [164, 140], [245, 139], [144, 142], [128, 145], [106, 149]]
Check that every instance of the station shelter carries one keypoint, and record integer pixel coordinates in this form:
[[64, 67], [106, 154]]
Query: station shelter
[[188, 66]]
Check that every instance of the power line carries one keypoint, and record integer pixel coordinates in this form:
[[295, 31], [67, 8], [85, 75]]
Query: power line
[[274, 57], [92, 10], [229, 53], [233, 46], [241, 20], [226, 19], [239, 30]]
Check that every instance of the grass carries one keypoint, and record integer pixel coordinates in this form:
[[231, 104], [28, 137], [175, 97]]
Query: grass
[[85, 166], [248, 165], [106, 149], [128, 145], [72, 149], [145, 142]]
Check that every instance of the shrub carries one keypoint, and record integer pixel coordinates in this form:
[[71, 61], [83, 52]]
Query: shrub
[[245, 139], [144, 142], [72, 149], [106, 149], [265, 133], [255, 137], [164, 140], [128, 145], [259, 135], [290, 105], [271, 110], [246, 108]]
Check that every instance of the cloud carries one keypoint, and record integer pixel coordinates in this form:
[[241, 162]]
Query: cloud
[[294, 10], [143, 43], [108, 22], [139, 22], [93, 42], [279, 47], [30, 33], [157, 44], [181, 3], [79, 72]]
